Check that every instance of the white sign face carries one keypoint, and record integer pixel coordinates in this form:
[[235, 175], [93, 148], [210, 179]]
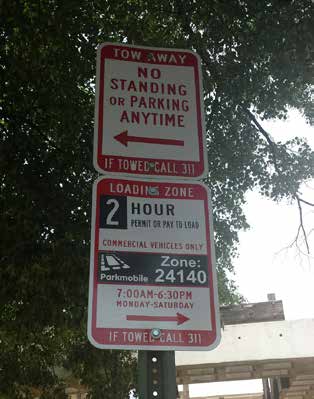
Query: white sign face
[[149, 112], [152, 266]]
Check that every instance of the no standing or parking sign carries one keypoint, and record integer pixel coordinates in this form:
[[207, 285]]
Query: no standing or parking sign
[[149, 112], [152, 266]]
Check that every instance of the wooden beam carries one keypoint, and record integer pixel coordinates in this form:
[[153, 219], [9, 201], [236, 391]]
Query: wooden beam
[[200, 370], [275, 373], [295, 393], [294, 388], [302, 382], [239, 368], [277, 365], [305, 377]]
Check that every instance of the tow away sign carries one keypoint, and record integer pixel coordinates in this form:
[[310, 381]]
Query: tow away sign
[[149, 112], [152, 266]]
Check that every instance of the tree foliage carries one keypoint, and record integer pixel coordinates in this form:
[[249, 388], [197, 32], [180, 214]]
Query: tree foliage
[[257, 59]]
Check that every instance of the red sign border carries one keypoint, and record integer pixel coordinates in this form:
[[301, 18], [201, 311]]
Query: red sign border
[[104, 51], [98, 336]]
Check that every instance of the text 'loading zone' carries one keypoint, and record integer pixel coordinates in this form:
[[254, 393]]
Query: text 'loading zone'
[[152, 266]]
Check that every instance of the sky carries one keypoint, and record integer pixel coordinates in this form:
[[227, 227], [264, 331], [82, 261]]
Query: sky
[[267, 263]]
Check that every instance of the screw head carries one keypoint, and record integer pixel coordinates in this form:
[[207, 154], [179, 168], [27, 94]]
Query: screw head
[[151, 165], [155, 333]]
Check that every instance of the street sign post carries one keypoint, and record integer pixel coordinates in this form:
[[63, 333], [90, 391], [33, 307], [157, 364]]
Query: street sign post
[[149, 112], [152, 275]]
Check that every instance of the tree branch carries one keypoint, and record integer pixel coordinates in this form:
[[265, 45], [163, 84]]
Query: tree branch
[[306, 202], [302, 224], [269, 140], [299, 200]]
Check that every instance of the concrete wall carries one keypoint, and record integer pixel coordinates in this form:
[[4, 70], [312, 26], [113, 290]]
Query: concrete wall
[[257, 341]]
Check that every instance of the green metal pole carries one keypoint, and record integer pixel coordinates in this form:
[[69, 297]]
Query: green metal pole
[[157, 375]]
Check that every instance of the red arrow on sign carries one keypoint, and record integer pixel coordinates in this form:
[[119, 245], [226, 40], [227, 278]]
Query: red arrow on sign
[[179, 318], [124, 138]]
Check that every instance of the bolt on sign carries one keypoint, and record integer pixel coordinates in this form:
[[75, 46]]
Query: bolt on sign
[[149, 118], [152, 274]]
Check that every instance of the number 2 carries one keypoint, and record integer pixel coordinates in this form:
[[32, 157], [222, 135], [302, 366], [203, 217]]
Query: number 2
[[111, 214]]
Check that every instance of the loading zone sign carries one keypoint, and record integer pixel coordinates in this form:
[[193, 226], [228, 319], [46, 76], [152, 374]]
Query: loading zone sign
[[149, 112], [152, 266]]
